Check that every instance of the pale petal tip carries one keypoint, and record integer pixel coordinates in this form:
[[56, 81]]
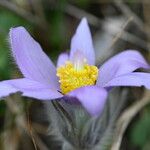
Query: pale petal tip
[[83, 22], [16, 29]]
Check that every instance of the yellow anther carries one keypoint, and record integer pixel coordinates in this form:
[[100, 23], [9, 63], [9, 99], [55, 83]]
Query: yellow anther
[[70, 78]]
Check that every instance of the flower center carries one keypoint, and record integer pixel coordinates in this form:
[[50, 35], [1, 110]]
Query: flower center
[[71, 77]]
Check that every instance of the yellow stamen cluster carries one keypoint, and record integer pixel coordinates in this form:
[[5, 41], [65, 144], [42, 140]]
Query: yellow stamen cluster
[[71, 78]]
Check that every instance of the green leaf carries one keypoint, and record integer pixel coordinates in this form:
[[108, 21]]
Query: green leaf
[[140, 133]]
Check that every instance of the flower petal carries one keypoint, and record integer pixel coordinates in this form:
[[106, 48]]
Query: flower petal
[[123, 63], [6, 89], [62, 59], [43, 94], [29, 88], [32, 61], [131, 79], [82, 41], [93, 98]]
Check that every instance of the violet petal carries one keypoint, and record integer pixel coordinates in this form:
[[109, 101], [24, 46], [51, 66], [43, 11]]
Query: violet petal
[[6, 89], [82, 41], [92, 98], [31, 60], [62, 59], [29, 88], [131, 79], [43, 94], [123, 63]]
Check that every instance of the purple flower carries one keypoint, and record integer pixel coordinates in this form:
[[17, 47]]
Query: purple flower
[[75, 75]]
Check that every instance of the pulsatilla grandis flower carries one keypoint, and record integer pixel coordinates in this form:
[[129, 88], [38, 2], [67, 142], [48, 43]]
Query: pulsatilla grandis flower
[[76, 76]]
